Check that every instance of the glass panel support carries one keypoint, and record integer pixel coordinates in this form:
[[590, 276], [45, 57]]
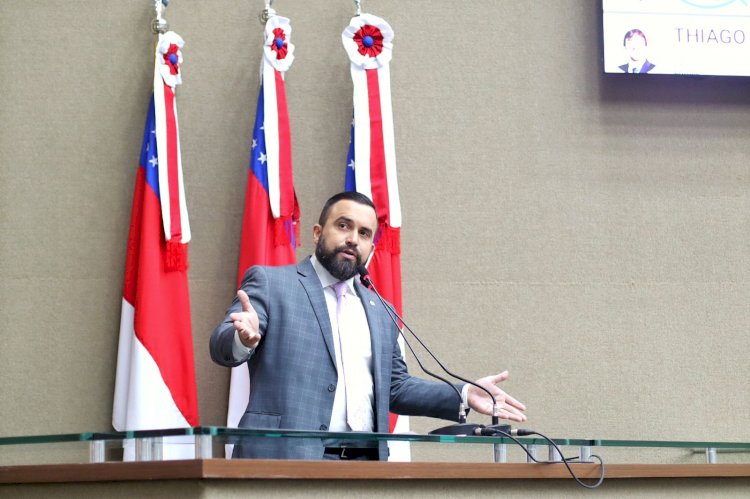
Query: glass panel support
[[554, 455], [533, 453], [711, 455], [203, 447], [500, 453], [157, 448], [148, 449], [584, 454], [142, 449], [97, 451]]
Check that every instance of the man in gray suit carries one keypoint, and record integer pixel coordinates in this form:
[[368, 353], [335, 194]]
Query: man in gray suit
[[322, 352]]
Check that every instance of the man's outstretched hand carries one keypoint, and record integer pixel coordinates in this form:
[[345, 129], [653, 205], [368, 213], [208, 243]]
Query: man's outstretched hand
[[508, 407]]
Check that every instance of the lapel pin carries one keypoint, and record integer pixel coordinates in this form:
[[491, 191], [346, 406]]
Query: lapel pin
[[372, 303]]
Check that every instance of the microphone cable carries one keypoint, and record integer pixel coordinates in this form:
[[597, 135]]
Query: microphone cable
[[390, 312], [365, 278], [462, 408], [486, 431], [489, 431]]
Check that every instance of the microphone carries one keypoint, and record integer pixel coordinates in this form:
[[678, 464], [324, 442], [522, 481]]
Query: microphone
[[365, 280], [461, 428]]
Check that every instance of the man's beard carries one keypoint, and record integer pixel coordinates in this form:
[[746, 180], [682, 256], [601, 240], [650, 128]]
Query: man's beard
[[341, 269]]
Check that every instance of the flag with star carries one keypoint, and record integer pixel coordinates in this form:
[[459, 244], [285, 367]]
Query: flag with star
[[155, 380], [270, 226]]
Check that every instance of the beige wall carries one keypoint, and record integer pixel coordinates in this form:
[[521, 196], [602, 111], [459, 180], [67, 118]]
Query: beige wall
[[589, 233]]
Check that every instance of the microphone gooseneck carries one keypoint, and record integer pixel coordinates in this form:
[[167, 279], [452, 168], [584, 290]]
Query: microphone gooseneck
[[366, 281], [474, 429]]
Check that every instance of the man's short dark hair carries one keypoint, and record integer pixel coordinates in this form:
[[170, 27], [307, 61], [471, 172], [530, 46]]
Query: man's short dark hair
[[355, 196], [634, 32]]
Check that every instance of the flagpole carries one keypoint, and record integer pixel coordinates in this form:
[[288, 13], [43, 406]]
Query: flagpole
[[371, 162], [159, 25], [267, 13], [270, 226], [155, 386]]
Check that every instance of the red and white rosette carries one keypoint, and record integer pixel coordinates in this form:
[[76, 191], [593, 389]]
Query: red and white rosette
[[167, 75], [368, 41], [278, 55]]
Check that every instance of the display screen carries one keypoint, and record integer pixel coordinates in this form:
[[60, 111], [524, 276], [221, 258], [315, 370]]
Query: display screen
[[685, 37]]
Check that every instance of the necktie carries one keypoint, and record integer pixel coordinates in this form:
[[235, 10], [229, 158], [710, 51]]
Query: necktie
[[634, 70], [355, 416]]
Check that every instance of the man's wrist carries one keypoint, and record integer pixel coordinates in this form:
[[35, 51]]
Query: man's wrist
[[240, 351]]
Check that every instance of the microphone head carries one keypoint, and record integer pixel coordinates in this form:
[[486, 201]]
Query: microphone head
[[364, 276]]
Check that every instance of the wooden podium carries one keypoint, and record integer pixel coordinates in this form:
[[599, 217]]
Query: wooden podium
[[206, 476], [233, 478]]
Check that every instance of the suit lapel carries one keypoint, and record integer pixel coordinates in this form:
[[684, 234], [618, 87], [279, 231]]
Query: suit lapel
[[314, 290]]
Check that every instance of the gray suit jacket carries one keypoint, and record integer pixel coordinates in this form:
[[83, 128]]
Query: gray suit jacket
[[293, 370]]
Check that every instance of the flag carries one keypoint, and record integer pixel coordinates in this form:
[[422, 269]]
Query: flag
[[371, 164], [155, 379], [270, 226]]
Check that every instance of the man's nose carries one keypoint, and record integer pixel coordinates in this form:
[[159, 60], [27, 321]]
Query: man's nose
[[352, 239]]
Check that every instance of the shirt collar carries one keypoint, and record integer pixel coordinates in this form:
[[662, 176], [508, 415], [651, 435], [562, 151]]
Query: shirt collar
[[326, 279]]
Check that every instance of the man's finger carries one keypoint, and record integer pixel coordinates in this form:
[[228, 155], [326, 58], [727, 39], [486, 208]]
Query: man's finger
[[515, 403], [244, 301], [512, 410], [503, 397], [248, 337], [512, 416], [498, 378]]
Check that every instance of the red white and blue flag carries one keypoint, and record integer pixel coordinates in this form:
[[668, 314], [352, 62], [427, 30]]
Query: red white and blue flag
[[371, 163], [270, 227], [155, 382]]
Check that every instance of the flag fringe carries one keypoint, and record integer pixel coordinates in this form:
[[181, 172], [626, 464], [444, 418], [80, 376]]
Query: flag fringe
[[280, 236], [285, 231], [297, 241], [176, 258], [390, 239]]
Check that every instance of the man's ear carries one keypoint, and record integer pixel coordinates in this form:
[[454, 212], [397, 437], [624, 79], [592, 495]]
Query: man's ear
[[317, 229]]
